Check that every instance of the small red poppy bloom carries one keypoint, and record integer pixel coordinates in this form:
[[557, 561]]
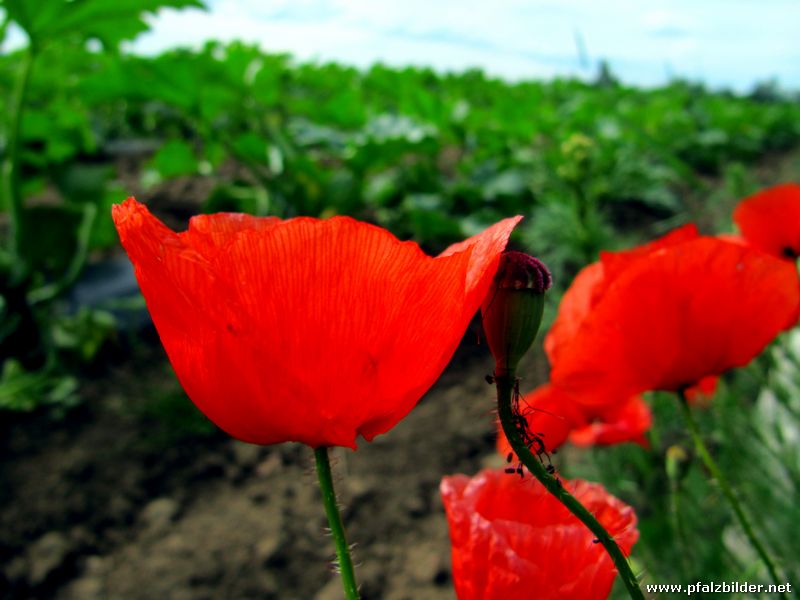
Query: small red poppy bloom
[[512, 540], [305, 330], [677, 315], [770, 220]]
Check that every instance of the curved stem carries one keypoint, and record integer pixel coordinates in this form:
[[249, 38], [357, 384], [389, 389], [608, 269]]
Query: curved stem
[[505, 390], [726, 488], [335, 521]]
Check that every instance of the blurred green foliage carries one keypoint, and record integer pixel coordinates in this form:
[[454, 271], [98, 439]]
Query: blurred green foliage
[[49, 149], [433, 157]]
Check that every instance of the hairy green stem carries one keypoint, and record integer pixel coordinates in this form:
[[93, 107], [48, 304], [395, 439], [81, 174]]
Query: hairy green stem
[[10, 193], [726, 488], [335, 521], [505, 390]]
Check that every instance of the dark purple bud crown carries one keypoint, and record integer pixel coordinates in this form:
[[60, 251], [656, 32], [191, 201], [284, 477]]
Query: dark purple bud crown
[[518, 271]]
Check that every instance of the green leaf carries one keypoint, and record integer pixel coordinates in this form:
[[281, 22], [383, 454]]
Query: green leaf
[[24, 391], [175, 158], [47, 21], [251, 148], [84, 333]]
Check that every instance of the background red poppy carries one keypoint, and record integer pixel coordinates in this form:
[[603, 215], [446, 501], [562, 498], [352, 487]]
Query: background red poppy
[[678, 315]]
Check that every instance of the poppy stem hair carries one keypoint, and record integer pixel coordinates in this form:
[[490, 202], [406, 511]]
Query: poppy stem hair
[[506, 383], [345, 562], [726, 488]]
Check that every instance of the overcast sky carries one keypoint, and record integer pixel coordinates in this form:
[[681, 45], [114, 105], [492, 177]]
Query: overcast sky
[[731, 43]]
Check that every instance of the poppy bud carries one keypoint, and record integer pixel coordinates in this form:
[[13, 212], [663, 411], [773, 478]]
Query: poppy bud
[[512, 310]]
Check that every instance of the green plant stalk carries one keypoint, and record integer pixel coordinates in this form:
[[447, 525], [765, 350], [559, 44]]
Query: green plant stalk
[[335, 521], [726, 488], [505, 390], [678, 525], [11, 194]]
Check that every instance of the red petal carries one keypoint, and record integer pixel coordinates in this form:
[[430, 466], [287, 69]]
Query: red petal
[[703, 392], [770, 220], [304, 330], [627, 421], [209, 234], [576, 305], [615, 263], [593, 281]]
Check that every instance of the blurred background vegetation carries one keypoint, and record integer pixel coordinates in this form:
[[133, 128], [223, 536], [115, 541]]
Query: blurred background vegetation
[[431, 156]]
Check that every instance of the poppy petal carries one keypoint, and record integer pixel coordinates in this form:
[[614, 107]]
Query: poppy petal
[[593, 281], [209, 233], [770, 220], [627, 421], [576, 305]]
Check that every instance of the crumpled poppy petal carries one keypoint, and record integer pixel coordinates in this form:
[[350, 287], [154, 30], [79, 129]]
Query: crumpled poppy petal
[[304, 330], [627, 421], [678, 315], [512, 540], [770, 220]]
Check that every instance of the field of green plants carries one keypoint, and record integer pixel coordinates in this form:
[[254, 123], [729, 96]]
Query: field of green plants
[[432, 157]]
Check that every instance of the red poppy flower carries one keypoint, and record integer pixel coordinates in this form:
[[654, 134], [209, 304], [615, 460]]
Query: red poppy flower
[[676, 315], [512, 540], [305, 330], [770, 220]]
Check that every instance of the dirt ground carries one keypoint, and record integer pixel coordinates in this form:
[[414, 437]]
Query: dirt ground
[[133, 496]]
